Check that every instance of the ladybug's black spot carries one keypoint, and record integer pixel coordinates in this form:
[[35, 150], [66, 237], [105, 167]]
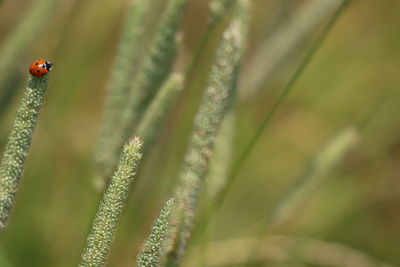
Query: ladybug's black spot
[[37, 63], [38, 71]]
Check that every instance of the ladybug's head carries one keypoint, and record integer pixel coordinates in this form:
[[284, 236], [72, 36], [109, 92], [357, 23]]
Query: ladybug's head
[[48, 65]]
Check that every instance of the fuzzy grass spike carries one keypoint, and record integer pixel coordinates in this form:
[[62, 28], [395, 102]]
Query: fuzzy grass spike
[[216, 99], [17, 148], [98, 242], [152, 249]]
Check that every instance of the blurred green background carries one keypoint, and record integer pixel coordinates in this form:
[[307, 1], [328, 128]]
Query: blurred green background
[[352, 81]]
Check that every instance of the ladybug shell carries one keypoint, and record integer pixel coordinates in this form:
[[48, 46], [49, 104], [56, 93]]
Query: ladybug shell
[[40, 68]]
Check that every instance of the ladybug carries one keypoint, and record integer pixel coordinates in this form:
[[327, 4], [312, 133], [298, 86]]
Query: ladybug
[[40, 68]]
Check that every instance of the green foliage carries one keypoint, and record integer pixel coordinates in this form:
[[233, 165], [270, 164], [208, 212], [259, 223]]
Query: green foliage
[[98, 242], [152, 249], [17, 148]]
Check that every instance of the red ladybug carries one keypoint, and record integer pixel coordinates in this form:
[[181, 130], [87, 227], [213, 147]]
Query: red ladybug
[[40, 68]]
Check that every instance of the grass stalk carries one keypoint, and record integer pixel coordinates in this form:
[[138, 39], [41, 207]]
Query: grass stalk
[[158, 109], [122, 75], [99, 240], [150, 254], [17, 147], [222, 152], [156, 68], [215, 101]]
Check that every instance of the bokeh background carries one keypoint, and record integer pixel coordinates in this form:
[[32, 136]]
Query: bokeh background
[[353, 80]]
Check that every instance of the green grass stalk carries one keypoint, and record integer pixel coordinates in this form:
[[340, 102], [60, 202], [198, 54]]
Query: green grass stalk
[[156, 68], [158, 109], [215, 101], [150, 254], [220, 163], [17, 147], [99, 240], [123, 73]]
